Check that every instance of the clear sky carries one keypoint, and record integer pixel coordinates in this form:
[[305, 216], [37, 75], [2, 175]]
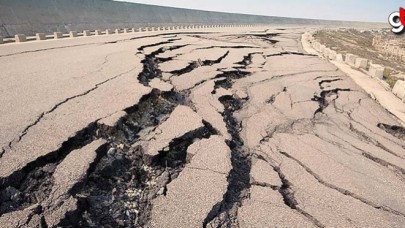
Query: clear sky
[[353, 10]]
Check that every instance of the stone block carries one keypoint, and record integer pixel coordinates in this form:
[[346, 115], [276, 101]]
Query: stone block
[[376, 71], [351, 59], [57, 35], [98, 32], [316, 46], [126, 30], [399, 89], [332, 55], [326, 52], [20, 38], [40, 36], [321, 48], [117, 31], [86, 33], [361, 63], [108, 32], [1, 40], [72, 34], [140, 29], [339, 58]]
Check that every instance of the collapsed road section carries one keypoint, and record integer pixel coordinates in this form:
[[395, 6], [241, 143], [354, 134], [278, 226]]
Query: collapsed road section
[[224, 129]]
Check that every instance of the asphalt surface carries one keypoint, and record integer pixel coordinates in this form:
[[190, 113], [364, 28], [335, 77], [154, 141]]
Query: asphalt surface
[[235, 127]]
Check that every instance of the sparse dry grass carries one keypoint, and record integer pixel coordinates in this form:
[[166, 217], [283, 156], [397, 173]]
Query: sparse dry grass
[[391, 80]]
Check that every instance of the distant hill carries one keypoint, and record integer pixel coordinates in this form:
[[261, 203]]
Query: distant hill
[[47, 16]]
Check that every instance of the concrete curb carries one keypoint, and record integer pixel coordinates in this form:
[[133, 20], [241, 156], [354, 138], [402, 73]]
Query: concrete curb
[[72, 34], [86, 33], [108, 32], [351, 59], [361, 63], [57, 35], [376, 71], [19, 38], [391, 99], [364, 65], [40, 36], [399, 90]]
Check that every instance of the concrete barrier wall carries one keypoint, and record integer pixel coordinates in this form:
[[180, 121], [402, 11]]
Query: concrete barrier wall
[[48, 16]]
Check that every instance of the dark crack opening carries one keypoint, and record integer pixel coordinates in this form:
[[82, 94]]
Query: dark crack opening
[[226, 211], [33, 183], [118, 191], [195, 64], [324, 98], [150, 65], [396, 131]]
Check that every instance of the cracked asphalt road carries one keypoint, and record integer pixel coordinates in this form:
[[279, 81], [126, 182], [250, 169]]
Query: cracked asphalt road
[[220, 128]]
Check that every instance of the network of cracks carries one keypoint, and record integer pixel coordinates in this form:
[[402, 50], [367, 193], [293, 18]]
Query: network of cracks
[[123, 180]]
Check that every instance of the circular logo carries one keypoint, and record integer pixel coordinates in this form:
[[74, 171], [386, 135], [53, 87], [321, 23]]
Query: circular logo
[[395, 21]]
